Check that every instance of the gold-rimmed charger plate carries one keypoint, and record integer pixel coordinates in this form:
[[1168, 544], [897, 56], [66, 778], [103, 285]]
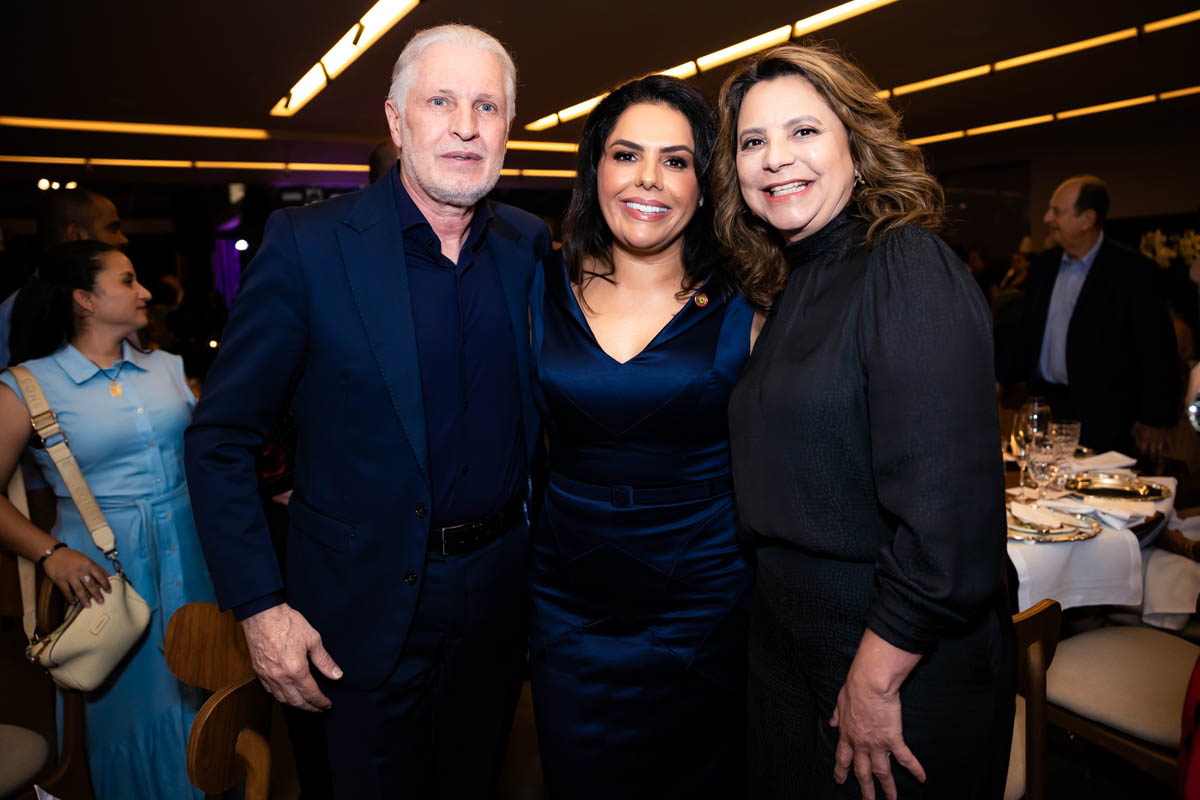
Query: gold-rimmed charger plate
[[1123, 487], [1081, 528]]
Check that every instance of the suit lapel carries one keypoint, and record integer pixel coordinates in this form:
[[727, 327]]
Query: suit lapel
[[1094, 285], [373, 255]]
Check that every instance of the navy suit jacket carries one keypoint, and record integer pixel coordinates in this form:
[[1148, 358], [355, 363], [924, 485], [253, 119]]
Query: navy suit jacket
[[323, 323], [1121, 352]]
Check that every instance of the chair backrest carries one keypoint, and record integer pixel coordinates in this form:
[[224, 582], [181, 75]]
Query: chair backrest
[[229, 741], [205, 647], [1037, 631]]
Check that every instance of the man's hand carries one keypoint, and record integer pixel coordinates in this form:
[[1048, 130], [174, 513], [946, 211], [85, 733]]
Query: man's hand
[[1151, 441], [281, 642]]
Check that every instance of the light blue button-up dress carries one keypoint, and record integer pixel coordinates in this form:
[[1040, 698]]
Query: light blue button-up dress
[[130, 449]]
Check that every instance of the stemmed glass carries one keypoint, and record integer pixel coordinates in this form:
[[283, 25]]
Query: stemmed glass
[[1031, 421], [1043, 455]]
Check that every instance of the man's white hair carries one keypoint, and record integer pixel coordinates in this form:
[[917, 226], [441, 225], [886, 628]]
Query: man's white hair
[[464, 35]]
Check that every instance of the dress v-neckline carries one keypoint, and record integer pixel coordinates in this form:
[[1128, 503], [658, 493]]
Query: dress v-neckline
[[577, 309]]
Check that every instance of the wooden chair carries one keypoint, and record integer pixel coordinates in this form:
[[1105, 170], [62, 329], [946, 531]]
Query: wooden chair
[[1037, 636], [64, 772], [1123, 689], [229, 742]]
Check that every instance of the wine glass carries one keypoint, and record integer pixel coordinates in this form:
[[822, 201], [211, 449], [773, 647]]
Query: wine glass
[[1043, 456], [1031, 421], [1017, 442]]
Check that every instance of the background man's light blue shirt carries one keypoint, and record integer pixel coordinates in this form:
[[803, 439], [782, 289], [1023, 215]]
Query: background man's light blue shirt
[[1052, 364]]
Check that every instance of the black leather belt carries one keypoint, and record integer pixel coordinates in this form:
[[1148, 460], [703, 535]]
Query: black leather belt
[[454, 540], [622, 496]]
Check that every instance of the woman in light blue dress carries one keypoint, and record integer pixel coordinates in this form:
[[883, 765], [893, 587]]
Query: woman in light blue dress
[[124, 412]]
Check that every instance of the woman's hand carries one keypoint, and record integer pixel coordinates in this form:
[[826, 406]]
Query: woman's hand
[[868, 717], [77, 576]]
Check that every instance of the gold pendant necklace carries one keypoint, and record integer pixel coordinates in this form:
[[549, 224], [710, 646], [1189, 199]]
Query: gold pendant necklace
[[114, 388]]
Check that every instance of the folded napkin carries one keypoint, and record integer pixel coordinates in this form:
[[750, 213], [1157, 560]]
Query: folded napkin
[[1040, 516], [1112, 461], [1111, 512]]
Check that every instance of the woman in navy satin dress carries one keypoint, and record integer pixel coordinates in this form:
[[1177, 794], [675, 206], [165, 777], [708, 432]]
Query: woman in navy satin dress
[[639, 588]]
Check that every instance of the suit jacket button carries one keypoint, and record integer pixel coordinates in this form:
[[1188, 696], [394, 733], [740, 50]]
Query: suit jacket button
[[422, 510], [410, 578]]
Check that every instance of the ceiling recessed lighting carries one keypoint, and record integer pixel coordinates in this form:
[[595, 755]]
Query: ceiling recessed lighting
[[683, 71], [54, 185], [836, 14], [544, 147], [71, 185], [241, 245], [44, 184], [580, 109], [213, 343]]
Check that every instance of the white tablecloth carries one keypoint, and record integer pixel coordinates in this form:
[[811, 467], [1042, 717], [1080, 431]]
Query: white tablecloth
[[1172, 582], [1105, 570]]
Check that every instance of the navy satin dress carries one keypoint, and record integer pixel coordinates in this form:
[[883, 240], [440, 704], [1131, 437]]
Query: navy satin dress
[[640, 593]]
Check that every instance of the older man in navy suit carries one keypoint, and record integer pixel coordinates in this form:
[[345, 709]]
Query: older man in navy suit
[[393, 322]]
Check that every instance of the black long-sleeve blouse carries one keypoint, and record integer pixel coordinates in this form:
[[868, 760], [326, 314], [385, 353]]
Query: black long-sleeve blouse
[[864, 427]]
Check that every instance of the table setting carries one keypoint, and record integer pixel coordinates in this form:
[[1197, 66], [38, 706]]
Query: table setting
[[1084, 535]]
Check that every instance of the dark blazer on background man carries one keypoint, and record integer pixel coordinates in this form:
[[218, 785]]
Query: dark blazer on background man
[[1121, 352], [323, 324]]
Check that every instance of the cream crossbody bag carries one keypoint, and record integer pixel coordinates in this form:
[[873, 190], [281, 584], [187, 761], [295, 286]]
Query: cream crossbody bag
[[83, 651]]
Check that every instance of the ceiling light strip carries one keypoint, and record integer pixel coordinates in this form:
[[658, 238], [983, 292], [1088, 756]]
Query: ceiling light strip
[[1171, 22], [941, 80], [725, 55], [1179, 93], [743, 49], [1070, 114], [1074, 47], [1041, 55], [834, 15], [100, 126], [41, 160], [543, 147], [940, 137], [1133, 101], [279, 166], [379, 19]]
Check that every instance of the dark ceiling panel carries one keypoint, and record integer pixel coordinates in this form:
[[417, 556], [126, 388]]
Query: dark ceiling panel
[[226, 63]]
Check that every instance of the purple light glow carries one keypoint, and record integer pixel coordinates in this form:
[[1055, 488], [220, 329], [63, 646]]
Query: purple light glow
[[227, 269]]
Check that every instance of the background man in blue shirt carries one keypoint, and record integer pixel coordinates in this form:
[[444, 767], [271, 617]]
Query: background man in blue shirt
[[394, 323], [1097, 338]]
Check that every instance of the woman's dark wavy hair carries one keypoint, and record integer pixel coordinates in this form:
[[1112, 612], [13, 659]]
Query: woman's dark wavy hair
[[585, 233], [43, 316]]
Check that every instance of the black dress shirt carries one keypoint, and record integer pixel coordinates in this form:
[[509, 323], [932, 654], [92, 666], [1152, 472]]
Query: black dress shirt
[[468, 373], [864, 435], [468, 367]]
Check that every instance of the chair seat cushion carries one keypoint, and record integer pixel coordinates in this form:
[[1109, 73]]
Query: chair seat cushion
[[25, 753], [1128, 678]]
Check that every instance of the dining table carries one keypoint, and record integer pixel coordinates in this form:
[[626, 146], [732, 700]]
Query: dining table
[[1119, 566]]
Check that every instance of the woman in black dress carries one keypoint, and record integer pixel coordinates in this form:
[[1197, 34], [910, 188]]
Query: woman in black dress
[[865, 451]]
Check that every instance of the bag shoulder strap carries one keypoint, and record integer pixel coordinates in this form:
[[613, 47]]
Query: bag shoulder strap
[[25, 568], [54, 439]]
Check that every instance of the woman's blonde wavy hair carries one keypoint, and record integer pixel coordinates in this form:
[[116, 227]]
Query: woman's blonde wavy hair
[[895, 190]]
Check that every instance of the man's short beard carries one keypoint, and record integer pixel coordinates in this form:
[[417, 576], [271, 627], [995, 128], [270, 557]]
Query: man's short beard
[[460, 198]]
